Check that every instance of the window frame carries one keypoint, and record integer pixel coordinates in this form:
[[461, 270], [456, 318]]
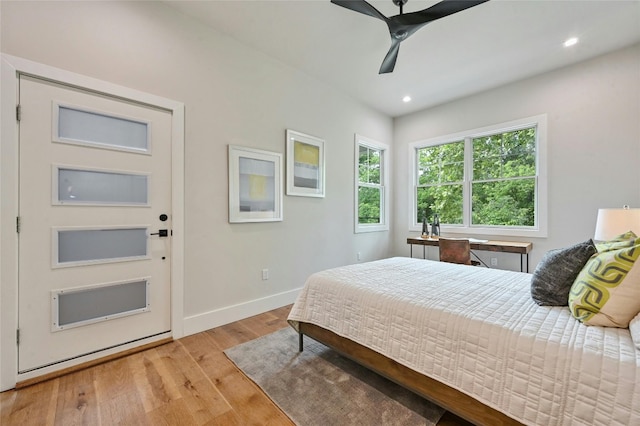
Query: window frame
[[538, 230], [385, 160]]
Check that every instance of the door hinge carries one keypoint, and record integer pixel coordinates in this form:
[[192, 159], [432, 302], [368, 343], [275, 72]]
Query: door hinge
[[18, 112], [18, 224], [18, 336]]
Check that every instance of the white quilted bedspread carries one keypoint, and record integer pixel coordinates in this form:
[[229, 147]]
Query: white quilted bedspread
[[478, 330]]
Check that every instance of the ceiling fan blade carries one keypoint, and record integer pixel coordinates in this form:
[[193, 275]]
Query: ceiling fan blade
[[389, 62], [437, 11], [360, 6]]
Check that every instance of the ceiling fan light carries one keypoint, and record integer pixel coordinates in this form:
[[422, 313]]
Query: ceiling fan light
[[400, 34], [570, 42]]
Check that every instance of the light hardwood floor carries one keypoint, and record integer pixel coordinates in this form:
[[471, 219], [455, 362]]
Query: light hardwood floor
[[186, 382]]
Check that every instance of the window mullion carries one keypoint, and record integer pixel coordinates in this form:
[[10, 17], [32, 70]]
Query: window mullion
[[467, 179], [370, 185]]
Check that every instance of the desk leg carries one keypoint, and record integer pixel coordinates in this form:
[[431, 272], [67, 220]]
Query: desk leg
[[411, 251], [473, 253], [424, 252], [523, 257]]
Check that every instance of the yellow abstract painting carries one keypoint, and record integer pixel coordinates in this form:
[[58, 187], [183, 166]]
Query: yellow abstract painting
[[258, 187]]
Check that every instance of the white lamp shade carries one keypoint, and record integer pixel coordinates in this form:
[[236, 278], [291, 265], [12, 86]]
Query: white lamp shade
[[613, 222]]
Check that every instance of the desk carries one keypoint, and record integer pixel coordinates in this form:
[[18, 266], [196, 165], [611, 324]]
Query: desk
[[522, 248]]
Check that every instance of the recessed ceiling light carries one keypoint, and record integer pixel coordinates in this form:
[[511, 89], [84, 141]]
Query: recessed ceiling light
[[570, 42], [406, 99]]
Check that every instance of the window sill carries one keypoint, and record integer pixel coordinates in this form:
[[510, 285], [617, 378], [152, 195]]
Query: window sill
[[360, 229], [488, 231]]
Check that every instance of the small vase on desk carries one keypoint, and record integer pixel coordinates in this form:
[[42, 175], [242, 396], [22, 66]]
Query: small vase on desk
[[425, 228], [435, 226]]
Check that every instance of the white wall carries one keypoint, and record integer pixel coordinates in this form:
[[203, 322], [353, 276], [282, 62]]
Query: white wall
[[232, 95], [235, 95], [593, 143]]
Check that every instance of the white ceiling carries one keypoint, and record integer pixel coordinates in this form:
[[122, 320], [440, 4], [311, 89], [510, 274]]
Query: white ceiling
[[482, 47]]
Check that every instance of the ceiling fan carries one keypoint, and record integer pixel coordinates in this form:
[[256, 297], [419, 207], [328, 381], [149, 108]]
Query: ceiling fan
[[404, 25]]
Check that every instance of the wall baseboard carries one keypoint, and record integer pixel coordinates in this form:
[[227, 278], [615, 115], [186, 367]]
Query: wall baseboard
[[207, 320]]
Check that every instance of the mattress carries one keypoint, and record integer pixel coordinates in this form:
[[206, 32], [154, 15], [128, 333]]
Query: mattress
[[478, 331]]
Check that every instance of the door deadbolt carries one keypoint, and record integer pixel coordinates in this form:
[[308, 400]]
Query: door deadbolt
[[161, 233], [163, 217]]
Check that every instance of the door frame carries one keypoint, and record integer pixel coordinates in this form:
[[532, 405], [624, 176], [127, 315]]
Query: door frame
[[10, 68]]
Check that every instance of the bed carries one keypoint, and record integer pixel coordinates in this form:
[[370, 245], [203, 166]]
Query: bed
[[473, 341]]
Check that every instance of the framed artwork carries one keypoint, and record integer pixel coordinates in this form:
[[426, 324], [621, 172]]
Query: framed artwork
[[305, 165], [255, 185]]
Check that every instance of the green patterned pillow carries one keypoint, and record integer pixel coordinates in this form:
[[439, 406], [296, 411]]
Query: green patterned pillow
[[607, 290], [623, 240]]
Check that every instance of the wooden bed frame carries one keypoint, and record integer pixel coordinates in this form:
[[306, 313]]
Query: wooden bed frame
[[445, 396]]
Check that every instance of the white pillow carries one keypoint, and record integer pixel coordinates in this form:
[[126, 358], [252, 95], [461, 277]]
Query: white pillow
[[634, 328]]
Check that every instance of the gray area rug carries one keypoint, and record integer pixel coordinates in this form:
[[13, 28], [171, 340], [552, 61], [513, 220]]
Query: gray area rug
[[320, 387]]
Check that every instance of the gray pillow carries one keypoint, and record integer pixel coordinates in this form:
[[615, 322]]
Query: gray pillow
[[556, 272]]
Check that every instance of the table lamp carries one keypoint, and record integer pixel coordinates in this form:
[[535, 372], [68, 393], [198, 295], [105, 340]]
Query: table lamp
[[613, 222]]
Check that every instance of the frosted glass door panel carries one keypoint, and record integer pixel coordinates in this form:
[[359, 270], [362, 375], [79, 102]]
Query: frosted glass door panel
[[101, 303], [99, 129], [101, 245], [93, 187]]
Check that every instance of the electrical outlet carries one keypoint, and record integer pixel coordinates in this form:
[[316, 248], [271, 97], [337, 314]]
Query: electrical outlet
[[494, 261], [359, 256], [265, 274]]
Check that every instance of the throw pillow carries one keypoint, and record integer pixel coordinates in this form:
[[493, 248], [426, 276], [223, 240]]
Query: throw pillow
[[623, 240], [607, 290], [556, 272], [634, 328]]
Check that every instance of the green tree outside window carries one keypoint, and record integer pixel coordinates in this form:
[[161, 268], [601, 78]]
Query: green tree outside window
[[369, 187], [502, 183]]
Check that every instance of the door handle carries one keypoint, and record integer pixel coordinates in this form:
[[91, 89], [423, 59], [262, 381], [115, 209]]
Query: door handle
[[161, 233]]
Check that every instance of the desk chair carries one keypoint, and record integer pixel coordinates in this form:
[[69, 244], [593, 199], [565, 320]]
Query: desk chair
[[456, 251]]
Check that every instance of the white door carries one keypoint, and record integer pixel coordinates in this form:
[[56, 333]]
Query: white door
[[94, 199]]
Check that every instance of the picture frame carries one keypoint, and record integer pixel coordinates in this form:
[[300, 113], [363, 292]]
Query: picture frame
[[255, 185], [305, 165]]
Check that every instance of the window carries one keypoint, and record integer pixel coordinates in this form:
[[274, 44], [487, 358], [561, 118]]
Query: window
[[371, 175], [483, 181], [440, 182]]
